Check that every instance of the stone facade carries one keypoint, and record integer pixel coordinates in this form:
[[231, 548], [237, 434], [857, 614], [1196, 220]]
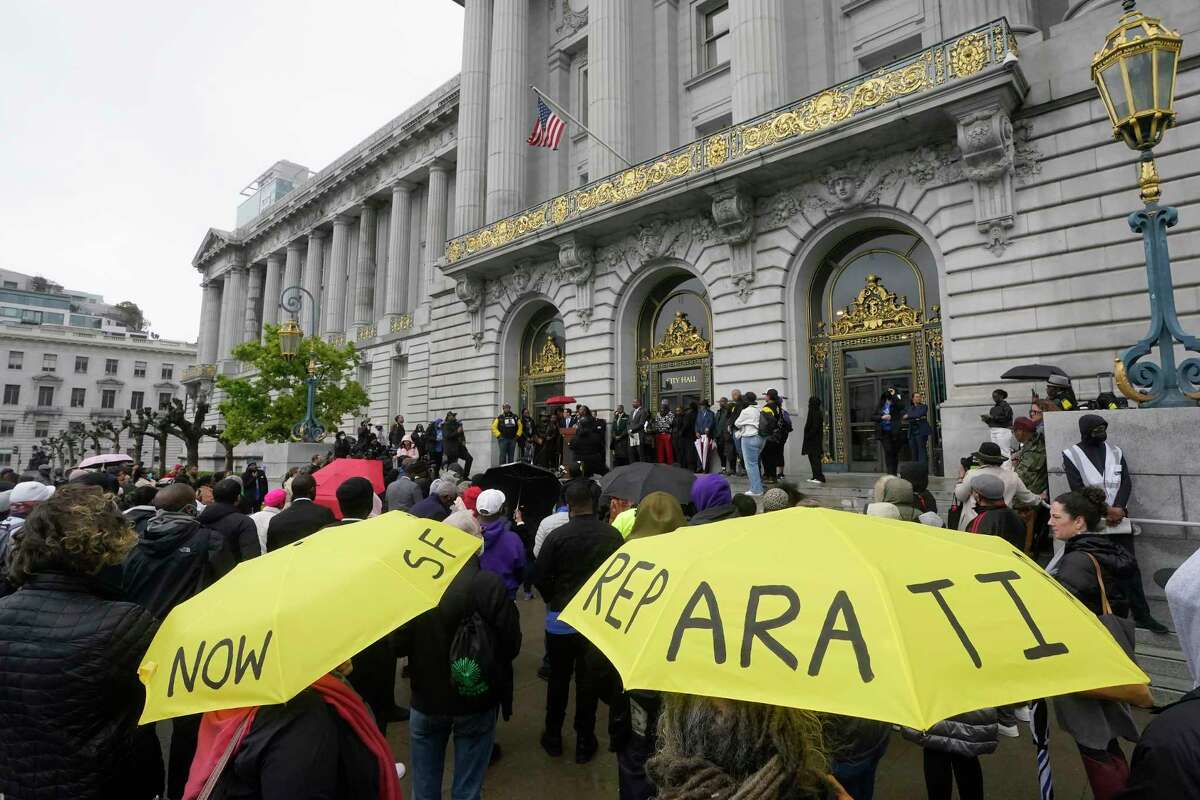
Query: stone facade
[[66, 378], [984, 141]]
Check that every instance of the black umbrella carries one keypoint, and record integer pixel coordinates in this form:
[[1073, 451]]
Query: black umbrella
[[632, 482], [524, 485], [1033, 372]]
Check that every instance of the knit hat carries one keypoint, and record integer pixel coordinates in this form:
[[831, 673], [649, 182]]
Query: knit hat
[[470, 496], [275, 498], [776, 500]]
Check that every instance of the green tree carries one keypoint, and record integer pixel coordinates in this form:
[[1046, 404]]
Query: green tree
[[131, 315], [189, 427], [267, 404]]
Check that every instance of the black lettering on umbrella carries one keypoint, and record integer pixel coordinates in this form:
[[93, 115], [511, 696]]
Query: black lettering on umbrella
[[1043, 649], [624, 592], [841, 606], [436, 546], [227, 644], [935, 588], [620, 561], [650, 595], [251, 660], [710, 623], [179, 664], [760, 629]]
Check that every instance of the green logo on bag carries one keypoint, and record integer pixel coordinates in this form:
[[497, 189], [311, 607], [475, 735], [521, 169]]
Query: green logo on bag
[[467, 677]]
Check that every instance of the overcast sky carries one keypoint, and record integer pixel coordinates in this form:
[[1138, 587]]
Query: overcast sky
[[127, 128]]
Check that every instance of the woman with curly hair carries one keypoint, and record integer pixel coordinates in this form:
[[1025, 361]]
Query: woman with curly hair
[[69, 653]]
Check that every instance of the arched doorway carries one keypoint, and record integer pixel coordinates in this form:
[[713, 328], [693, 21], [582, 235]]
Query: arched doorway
[[874, 324], [674, 342], [543, 360]]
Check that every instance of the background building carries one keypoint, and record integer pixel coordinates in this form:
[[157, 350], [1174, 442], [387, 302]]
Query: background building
[[824, 198], [68, 363]]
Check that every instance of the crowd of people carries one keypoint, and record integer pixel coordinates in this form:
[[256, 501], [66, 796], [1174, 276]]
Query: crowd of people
[[93, 564]]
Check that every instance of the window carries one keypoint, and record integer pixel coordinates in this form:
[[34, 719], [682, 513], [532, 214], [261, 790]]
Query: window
[[16, 359], [81, 364], [715, 49], [7, 427], [890, 53], [10, 284], [164, 400], [6, 459], [583, 179], [110, 366], [78, 398], [137, 400], [49, 362], [168, 372], [12, 394], [41, 428], [139, 369], [74, 427], [583, 95], [713, 125], [45, 396], [108, 398]]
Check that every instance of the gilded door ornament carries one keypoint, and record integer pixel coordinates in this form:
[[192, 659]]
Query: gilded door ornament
[[550, 361], [969, 55], [680, 340], [875, 309]]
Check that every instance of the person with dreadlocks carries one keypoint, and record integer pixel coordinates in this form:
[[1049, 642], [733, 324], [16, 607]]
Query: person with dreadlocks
[[715, 749]]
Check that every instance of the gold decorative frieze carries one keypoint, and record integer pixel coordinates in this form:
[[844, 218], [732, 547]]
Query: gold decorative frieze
[[550, 361], [925, 71], [366, 332], [402, 322], [875, 309], [680, 340]]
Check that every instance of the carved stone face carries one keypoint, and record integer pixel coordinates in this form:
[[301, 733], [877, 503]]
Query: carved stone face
[[843, 186]]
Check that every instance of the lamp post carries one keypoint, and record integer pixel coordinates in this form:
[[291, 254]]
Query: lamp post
[[291, 300], [1135, 74]]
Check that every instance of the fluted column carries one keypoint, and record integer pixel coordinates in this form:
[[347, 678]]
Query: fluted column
[[759, 62], [233, 310], [435, 222], [271, 288], [509, 104], [364, 282], [961, 17], [610, 83], [470, 193], [335, 300], [295, 258], [210, 322], [251, 330], [666, 73], [398, 245], [313, 262]]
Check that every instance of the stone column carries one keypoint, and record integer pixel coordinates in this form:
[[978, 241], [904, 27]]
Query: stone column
[[335, 300], [959, 18], [233, 311], [364, 282], [313, 261], [559, 84], [610, 84], [210, 322], [666, 73], [295, 257], [399, 227], [254, 289], [470, 196], [435, 221], [759, 61], [271, 288], [509, 105]]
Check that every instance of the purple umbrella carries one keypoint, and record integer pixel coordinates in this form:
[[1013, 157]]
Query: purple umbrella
[[105, 458]]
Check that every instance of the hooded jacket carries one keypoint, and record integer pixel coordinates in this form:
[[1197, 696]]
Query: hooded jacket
[[175, 558], [240, 532], [138, 516], [1076, 572], [899, 493], [917, 473], [1097, 453], [503, 554], [713, 500]]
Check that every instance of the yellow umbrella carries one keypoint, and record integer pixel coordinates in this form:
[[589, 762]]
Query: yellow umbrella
[[275, 624], [838, 612]]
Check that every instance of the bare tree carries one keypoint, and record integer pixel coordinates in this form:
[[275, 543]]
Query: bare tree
[[189, 428]]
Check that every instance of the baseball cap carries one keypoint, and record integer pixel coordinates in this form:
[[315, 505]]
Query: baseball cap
[[490, 501], [30, 492]]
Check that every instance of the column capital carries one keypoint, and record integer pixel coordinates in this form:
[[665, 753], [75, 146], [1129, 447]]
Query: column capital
[[402, 185], [343, 220], [316, 233], [295, 244], [236, 260], [368, 203], [440, 165]]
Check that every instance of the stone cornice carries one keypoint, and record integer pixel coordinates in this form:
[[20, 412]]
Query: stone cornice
[[437, 109]]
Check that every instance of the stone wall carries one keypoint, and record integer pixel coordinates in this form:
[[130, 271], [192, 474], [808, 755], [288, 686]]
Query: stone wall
[[1160, 448]]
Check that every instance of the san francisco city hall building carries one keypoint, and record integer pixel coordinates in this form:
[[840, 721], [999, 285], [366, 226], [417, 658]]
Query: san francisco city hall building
[[823, 196]]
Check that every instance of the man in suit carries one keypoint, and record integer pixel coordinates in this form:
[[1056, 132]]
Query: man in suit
[[301, 518], [374, 675], [637, 432]]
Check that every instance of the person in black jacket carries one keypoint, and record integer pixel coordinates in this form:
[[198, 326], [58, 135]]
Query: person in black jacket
[[455, 440], [917, 473], [993, 517], [70, 696], [241, 535], [568, 557], [438, 710], [301, 518], [814, 439], [254, 486], [588, 443], [889, 429]]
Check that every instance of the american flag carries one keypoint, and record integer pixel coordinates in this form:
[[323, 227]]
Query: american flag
[[547, 128]]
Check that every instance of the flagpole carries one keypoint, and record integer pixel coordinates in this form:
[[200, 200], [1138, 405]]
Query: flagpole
[[563, 112]]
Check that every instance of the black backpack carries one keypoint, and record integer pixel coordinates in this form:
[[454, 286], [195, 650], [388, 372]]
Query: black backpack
[[474, 669], [768, 423]]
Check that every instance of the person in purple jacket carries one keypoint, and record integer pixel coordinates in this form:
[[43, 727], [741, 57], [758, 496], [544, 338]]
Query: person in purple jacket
[[503, 550]]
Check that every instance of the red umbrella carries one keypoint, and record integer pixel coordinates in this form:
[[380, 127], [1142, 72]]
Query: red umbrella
[[332, 475], [560, 400]]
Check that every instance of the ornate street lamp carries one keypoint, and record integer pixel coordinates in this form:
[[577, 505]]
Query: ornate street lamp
[[291, 300], [1135, 74]]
